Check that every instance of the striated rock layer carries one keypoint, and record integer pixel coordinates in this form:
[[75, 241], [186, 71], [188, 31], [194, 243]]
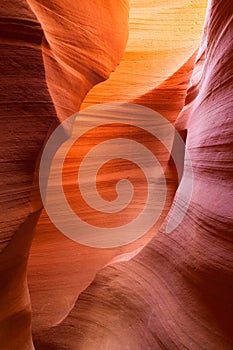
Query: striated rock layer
[[148, 74], [26, 115], [59, 267], [177, 292], [32, 104]]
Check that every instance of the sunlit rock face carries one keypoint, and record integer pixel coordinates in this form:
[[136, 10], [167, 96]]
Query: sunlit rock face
[[154, 71], [176, 293], [40, 86]]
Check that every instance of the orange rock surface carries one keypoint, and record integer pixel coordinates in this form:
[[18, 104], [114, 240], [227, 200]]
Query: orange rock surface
[[176, 292]]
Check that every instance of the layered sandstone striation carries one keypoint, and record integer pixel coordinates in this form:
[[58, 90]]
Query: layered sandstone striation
[[39, 88], [26, 115], [154, 74], [176, 293]]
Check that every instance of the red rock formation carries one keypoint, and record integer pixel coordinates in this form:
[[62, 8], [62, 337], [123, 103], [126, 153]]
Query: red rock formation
[[177, 292], [80, 51], [60, 274], [28, 116], [155, 66]]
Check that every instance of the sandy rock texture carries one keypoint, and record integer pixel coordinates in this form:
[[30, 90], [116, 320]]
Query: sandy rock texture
[[155, 75], [176, 292], [26, 115], [44, 79]]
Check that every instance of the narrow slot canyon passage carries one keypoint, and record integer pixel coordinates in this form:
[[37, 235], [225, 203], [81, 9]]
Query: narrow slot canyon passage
[[151, 85]]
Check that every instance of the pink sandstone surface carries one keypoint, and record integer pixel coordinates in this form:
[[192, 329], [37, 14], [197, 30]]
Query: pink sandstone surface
[[176, 293]]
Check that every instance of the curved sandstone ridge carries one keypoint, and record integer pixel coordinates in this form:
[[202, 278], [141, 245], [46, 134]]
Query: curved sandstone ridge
[[162, 36], [65, 267], [26, 115], [34, 100], [63, 273], [82, 45], [177, 292]]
